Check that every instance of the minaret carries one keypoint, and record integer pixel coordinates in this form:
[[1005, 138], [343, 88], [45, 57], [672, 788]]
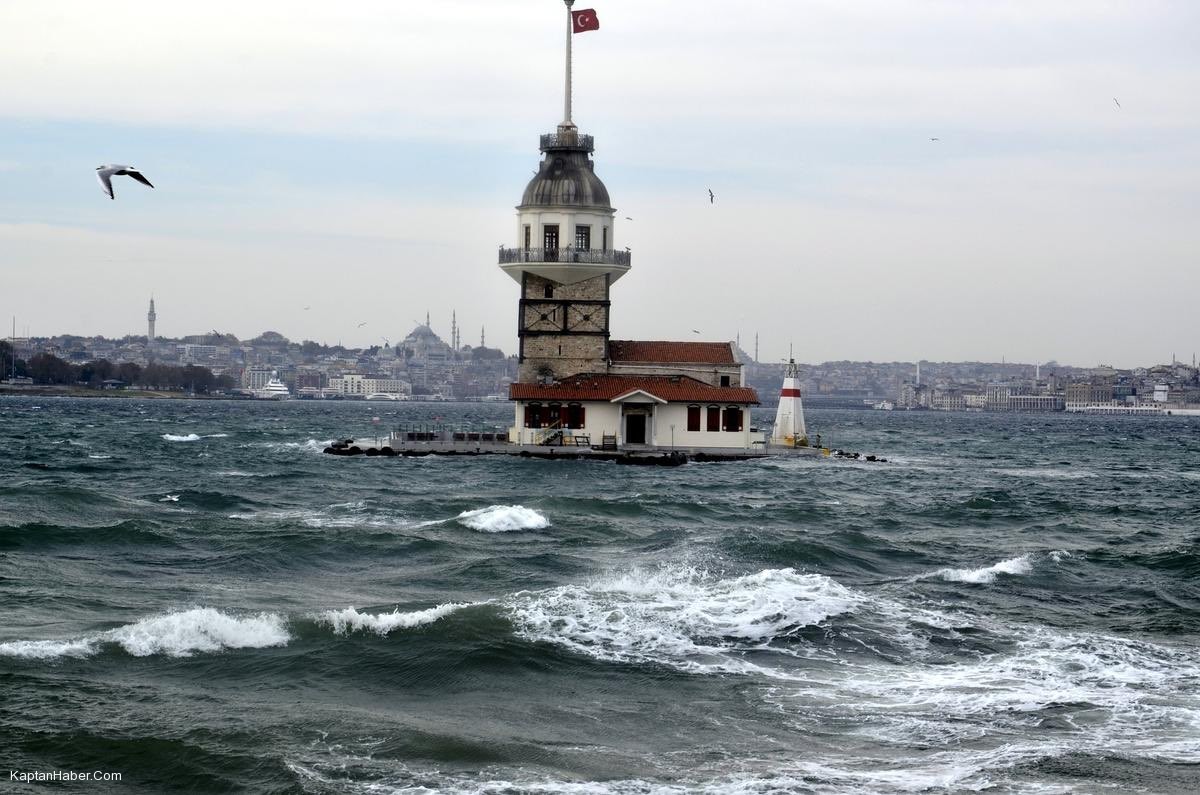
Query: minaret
[[482, 336], [566, 258], [150, 318], [790, 430], [454, 329]]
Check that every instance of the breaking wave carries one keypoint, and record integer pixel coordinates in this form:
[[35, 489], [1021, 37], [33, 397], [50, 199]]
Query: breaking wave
[[350, 620], [679, 616], [176, 634], [503, 519], [987, 574], [191, 437]]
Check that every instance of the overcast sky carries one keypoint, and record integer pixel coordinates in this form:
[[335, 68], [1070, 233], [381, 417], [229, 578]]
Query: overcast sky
[[364, 159]]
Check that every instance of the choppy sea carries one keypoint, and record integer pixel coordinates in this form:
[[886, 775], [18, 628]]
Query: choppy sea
[[193, 596]]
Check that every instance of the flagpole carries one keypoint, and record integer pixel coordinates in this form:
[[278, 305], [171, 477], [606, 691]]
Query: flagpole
[[567, 93]]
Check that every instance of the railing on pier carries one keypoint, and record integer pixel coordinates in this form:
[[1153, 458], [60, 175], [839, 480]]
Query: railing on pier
[[586, 256], [447, 433]]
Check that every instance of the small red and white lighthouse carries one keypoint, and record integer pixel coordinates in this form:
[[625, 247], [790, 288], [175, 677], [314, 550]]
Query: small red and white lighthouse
[[789, 417]]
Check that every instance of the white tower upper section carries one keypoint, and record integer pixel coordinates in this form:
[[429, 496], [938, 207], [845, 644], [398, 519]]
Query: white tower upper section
[[151, 316], [566, 230]]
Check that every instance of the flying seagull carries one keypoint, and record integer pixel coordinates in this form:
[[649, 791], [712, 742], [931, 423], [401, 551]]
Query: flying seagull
[[695, 332], [307, 308], [627, 218], [935, 139], [106, 173], [360, 325], [1118, 103], [711, 197]]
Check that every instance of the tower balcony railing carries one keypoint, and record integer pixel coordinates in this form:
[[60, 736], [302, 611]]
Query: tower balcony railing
[[587, 256], [567, 140]]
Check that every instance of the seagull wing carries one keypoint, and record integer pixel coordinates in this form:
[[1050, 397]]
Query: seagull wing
[[138, 176], [105, 183]]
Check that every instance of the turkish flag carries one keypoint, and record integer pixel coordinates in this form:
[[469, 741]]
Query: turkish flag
[[584, 19]]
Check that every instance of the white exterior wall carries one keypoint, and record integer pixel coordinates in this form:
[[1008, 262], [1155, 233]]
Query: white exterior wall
[[599, 418], [676, 414], [604, 418], [567, 220]]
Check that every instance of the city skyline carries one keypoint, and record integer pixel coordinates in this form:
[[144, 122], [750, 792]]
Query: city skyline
[[367, 173]]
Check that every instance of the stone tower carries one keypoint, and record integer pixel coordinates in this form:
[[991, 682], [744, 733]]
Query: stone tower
[[150, 318]]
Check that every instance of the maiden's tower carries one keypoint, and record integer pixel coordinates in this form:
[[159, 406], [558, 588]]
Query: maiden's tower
[[576, 385]]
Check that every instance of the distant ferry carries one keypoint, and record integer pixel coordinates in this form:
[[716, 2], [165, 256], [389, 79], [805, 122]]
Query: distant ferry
[[885, 405], [386, 396], [274, 390]]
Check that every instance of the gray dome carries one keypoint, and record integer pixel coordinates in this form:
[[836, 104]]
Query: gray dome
[[566, 177]]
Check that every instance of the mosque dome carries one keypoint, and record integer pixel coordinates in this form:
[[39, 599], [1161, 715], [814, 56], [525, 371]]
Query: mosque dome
[[566, 176]]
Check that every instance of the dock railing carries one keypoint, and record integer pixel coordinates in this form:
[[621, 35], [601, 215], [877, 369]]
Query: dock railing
[[449, 433]]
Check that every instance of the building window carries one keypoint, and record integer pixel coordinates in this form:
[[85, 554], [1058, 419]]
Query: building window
[[583, 237], [724, 380], [733, 418], [550, 242], [605, 246], [714, 419], [693, 418], [526, 235], [554, 417], [533, 415], [575, 416], [549, 294]]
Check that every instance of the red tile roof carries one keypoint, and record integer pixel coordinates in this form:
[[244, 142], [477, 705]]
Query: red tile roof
[[594, 386], [660, 351]]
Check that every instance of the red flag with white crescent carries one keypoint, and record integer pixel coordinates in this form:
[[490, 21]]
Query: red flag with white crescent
[[584, 19]]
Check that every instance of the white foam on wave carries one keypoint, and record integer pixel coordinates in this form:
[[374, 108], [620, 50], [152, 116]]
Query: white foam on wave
[[679, 616], [350, 620], [503, 519], [176, 634], [310, 445], [1127, 696], [172, 437], [987, 574], [48, 649], [98, 456]]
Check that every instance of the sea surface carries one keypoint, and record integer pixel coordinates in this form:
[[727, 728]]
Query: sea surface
[[1010, 604]]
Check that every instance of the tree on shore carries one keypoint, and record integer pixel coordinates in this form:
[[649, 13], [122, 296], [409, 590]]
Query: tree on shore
[[46, 368]]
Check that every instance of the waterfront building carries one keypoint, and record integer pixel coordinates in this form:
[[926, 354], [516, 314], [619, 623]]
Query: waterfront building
[[574, 382]]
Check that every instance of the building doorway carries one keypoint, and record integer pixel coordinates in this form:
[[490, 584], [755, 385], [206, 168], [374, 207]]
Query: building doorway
[[635, 429], [550, 242]]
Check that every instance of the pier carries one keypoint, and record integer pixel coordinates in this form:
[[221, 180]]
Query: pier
[[425, 439]]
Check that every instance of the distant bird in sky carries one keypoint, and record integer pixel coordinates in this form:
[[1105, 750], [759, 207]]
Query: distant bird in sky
[[935, 139], [307, 308], [694, 331], [170, 498], [628, 249], [106, 173], [360, 325], [627, 218], [1118, 103], [711, 197]]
